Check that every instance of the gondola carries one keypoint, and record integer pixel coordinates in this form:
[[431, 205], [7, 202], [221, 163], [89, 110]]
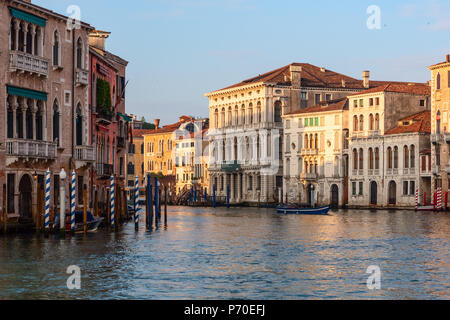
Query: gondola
[[308, 211]]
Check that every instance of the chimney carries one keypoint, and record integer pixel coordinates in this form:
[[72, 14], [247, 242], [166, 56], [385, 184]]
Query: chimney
[[343, 83], [296, 76], [97, 39], [366, 77], [157, 121], [447, 58]]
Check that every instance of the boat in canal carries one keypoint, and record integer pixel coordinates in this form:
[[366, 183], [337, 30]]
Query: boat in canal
[[92, 222], [291, 209]]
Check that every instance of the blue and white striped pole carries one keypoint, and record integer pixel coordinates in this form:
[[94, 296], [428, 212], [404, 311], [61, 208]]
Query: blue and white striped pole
[[113, 202], [47, 200], [72, 205], [136, 203]]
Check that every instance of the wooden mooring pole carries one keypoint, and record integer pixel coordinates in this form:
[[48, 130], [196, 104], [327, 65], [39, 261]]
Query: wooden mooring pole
[[150, 198], [4, 211], [165, 205], [84, 209]]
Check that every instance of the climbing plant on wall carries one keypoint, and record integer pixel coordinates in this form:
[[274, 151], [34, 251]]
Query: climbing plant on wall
[[104, 97]]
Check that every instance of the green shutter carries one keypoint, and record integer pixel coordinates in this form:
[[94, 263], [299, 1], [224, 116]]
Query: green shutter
[[22, 15], [26, 93], [317, 122], [311, 122], [306, 122]]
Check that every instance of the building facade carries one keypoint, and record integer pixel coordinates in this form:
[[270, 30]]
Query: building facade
[[246, 135], [440, 124], [44, 105], [316, 154], [388, 134]]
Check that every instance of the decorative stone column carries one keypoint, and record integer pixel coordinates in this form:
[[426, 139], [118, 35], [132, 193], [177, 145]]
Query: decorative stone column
[[33, 121], [232, 191], [14, 106], [33, 34], [16, 27], [25, 35], [24, 108]]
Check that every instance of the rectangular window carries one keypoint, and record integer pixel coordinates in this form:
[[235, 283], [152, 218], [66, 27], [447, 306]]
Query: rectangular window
[[355, 103], [405, 188], [361, 103], [422, 103], [306, 122], [412, 188], [354, 188], [361, 190], [328, 97], [377, 101], [311, 122], [317, 98], [10, 192], [316, 122], [304, 96], [371, 102]]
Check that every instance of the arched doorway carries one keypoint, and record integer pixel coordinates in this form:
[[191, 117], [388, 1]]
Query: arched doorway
[[25, 199], [392, 193], [373, 193], [334, 196], [311, 195]]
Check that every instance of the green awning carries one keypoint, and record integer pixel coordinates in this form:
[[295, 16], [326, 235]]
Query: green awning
[[22, 15], [26, 93], [124, 117]]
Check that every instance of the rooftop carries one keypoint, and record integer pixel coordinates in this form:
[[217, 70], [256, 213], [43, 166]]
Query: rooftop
[[333, 105], [411, 88], [416, 123]]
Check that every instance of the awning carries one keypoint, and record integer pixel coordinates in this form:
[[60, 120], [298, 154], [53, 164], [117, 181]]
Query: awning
[[124, 117], [22, 15], [26, 93]]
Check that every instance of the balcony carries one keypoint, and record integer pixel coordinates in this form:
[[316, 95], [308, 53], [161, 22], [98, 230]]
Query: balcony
[[84, 153], [82, 77], [31, 149], [103, 117], [447, 137], [436, 138], [25, 62], [308, 176], [310, 152], [104, 170]]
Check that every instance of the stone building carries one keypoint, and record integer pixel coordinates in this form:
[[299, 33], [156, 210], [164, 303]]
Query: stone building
[[246, 135], [316, 154], [388, 136], [440, 124], [135, 158], [110, 125], [44, 104], [191, 160]]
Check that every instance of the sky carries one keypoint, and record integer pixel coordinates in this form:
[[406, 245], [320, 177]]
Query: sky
[[178, 50]]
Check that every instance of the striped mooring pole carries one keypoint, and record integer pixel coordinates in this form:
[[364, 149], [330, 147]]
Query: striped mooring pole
[[136, 202], [72, 204], [47, 200], [439, 199], [113, 202]]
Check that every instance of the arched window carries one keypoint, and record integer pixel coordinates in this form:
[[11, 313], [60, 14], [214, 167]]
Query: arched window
[[29, 121], [377, 158], [377, 122], [355, 123], [21, 46], [355, 159], [216, 119], [396, 157], [371, 159], [306, 146], [29, 40], [79, 125], [250, 113], [236, 116], [243, 114], [371, 122], [258, 113], [56, 123], [438, 122], [389, 157], [230, 117], [10, 120], [222, 120], [412, 156], [56, 58], [316, 141], [438, 81], [405, 157], [361, 159], [361, 123], [39, 122], [79, 54], [12, 36]]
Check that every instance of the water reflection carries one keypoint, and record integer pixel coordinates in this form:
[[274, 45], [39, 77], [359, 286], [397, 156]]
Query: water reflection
[[236, 254]]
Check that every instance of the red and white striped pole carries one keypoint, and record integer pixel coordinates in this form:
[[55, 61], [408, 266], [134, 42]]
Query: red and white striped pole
[[439, 199]]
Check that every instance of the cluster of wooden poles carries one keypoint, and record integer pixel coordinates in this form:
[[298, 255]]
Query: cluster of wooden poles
[[153, 200]]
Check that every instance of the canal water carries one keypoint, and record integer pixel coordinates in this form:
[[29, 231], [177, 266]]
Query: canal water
[[239, 254]]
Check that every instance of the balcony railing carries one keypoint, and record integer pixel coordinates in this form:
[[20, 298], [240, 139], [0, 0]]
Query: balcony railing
[[25, 62], [82, 77], [31, 149], [104, 170], [103, 116], [310, 152], [84, 153], [308, 176], [436, 138]]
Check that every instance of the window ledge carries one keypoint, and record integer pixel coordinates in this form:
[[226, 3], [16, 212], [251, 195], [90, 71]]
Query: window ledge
[[58, 68]]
